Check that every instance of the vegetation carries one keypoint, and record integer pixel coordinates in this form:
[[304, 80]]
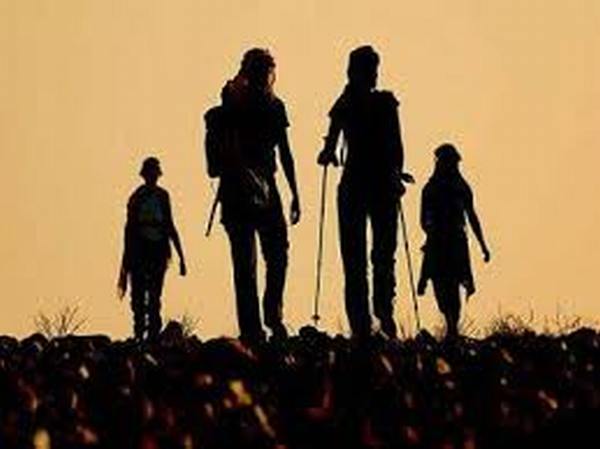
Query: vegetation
[[67, 320]]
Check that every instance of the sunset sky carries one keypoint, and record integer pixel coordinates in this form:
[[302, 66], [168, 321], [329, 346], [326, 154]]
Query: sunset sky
[[88, 88]]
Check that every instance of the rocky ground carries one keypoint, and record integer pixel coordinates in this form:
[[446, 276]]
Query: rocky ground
[[310, 391]]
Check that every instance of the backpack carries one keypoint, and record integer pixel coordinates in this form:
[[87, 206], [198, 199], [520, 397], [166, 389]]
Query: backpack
[[146, 231], [149, 215], [214, 140], [250, 187]]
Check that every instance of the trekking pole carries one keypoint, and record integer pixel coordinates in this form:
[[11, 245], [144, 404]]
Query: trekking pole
[[409, 265], [213, 210], [316, 316]]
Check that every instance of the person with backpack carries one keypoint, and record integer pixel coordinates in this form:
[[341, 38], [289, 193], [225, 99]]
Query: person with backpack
[[370, 189], [447, 199], [148, 232], [242, 135]]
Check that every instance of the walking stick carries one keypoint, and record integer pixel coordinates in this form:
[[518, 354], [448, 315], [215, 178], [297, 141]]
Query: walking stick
[[409, 265], [316, 316], [213, 210]]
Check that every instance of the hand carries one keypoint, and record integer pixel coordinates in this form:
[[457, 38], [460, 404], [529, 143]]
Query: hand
[[182, 268], [407, 178], [486, 254], [397, 184], [327, 157], [421, 286], [122, 283], [295, 211]]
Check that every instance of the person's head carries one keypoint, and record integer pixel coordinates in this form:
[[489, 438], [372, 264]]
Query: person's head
[[447, 158], [150, 170], [258, 69], [362, 68]]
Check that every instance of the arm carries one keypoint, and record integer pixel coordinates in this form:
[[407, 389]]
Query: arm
[[427, 217], [127, 254], [476, 225], [398, 148], [327, 155], [287, 163], [174, 236], [423, 216], [337, 115]]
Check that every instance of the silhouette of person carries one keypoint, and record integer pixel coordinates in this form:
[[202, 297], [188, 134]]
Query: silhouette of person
[[148, 232], [254, 123], [446, 200], [370, 188]]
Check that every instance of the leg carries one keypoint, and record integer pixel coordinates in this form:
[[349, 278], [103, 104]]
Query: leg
[[447, 296], [274, 245], [353, 228], [154, 293], [384, 223], [243, 254], [138, 298]]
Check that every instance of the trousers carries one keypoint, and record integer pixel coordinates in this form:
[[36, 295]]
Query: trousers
[[271, 229], [147, 280], [356, 206]]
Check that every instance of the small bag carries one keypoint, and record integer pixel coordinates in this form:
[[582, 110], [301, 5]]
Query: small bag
[[256, 190]]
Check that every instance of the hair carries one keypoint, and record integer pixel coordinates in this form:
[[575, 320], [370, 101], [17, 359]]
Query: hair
[[150, 164], [362, 64], [447, 158], [256, 70]]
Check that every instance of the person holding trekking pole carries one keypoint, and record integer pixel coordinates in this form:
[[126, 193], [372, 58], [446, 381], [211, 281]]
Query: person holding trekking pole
[[370, 189], [242, 136]]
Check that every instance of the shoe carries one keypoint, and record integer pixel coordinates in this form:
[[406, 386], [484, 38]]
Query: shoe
[[254, 339], [388, 327], [278, 331]]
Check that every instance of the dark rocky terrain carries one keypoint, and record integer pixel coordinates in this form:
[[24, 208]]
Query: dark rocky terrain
[[311, 391]]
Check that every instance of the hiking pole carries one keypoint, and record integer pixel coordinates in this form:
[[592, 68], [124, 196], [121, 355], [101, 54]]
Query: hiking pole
[[316, 316], [213, 210], [409, 265]]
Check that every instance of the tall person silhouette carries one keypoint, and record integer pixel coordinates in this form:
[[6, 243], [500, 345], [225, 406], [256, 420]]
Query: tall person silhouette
[[148, 232], [447, 199], [242, 136], [370, 188]]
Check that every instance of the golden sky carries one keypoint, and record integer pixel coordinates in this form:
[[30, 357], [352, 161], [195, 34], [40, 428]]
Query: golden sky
[[90, 87]]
